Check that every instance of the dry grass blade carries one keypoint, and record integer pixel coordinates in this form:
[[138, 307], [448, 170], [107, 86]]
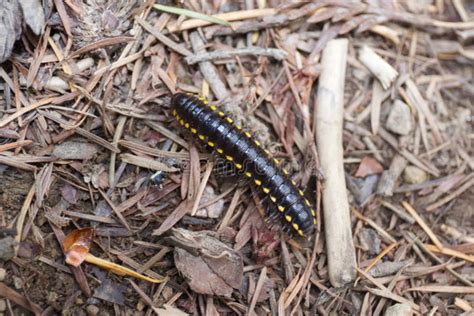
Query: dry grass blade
[[27, 109], [19, 299], [146, 163], [423, 225], [17, 164], [450, 252], [443, 289], [228, 17], [191, 14]]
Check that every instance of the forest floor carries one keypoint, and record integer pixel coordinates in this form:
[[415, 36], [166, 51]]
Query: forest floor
[[85, 122]]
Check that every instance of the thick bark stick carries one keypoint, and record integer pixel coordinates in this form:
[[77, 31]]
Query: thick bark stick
[[329, 119]]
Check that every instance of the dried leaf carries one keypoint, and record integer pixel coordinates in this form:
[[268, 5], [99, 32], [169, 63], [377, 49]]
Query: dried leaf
[[210, 266], [191, 14], [368, 166]]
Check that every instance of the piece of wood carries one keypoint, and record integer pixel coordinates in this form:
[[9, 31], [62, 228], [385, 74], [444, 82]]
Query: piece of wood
[[329, 119], [381, 69]]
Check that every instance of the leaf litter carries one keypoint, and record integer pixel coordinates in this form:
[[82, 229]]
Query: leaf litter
[[84, 123]]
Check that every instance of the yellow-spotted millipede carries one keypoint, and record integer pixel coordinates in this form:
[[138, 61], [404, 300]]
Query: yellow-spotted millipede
[[219, 131]]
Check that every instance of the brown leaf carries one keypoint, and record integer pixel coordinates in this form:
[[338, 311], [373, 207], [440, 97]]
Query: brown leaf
[[201, 278], [69, 193], [210, 266], [368, 166]]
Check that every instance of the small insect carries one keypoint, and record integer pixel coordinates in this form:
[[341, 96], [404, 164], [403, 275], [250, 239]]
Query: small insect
[[158, 178], [215, 129]]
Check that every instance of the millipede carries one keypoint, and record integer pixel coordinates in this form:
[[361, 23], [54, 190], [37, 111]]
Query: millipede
[[220, 132]]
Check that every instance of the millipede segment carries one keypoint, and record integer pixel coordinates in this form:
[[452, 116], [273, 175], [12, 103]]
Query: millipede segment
[[219, 131]]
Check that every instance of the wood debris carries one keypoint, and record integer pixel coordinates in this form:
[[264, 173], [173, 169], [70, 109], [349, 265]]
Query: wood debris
[[87, 140]]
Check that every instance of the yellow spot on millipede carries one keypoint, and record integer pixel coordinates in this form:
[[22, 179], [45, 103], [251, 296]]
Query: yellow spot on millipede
[[295, 226], [177, 117], [181, 122], [238, 127], [300, 232], [201, 137], [186, 125], [276, 161], [220, 113], [248, 134], [288, 218], [266, 190], [220, 151], [238, 166], [301, 192], [193, 130], [211, 144], [257, 143], [313, 213], [229, 158], [213, 107], [205, 102], [228, 119], [274, 199], [248, 174], [258, 182], [174, 112], [267, 152], [314, 221], [293, 182], [281, 208], [284, 171], [307, 202]]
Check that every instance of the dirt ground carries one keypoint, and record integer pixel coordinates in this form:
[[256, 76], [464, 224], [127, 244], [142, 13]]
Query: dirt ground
[[85, 121]]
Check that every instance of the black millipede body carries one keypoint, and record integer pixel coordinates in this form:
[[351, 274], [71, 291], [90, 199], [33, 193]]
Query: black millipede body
[[219, 131]]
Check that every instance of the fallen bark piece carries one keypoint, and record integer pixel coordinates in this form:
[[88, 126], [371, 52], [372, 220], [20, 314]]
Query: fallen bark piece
[[387, 182], [75, 150], [210, 266], [329, 119], [385, 73]]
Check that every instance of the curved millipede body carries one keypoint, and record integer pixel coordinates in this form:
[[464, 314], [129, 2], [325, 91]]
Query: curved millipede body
[[217, 130]]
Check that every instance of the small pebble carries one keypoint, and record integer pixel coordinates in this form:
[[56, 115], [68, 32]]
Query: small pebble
[[3, 273], [399, 119], [92, 310], [414, 175], [3, 305], [399, 310], [17, 282]]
